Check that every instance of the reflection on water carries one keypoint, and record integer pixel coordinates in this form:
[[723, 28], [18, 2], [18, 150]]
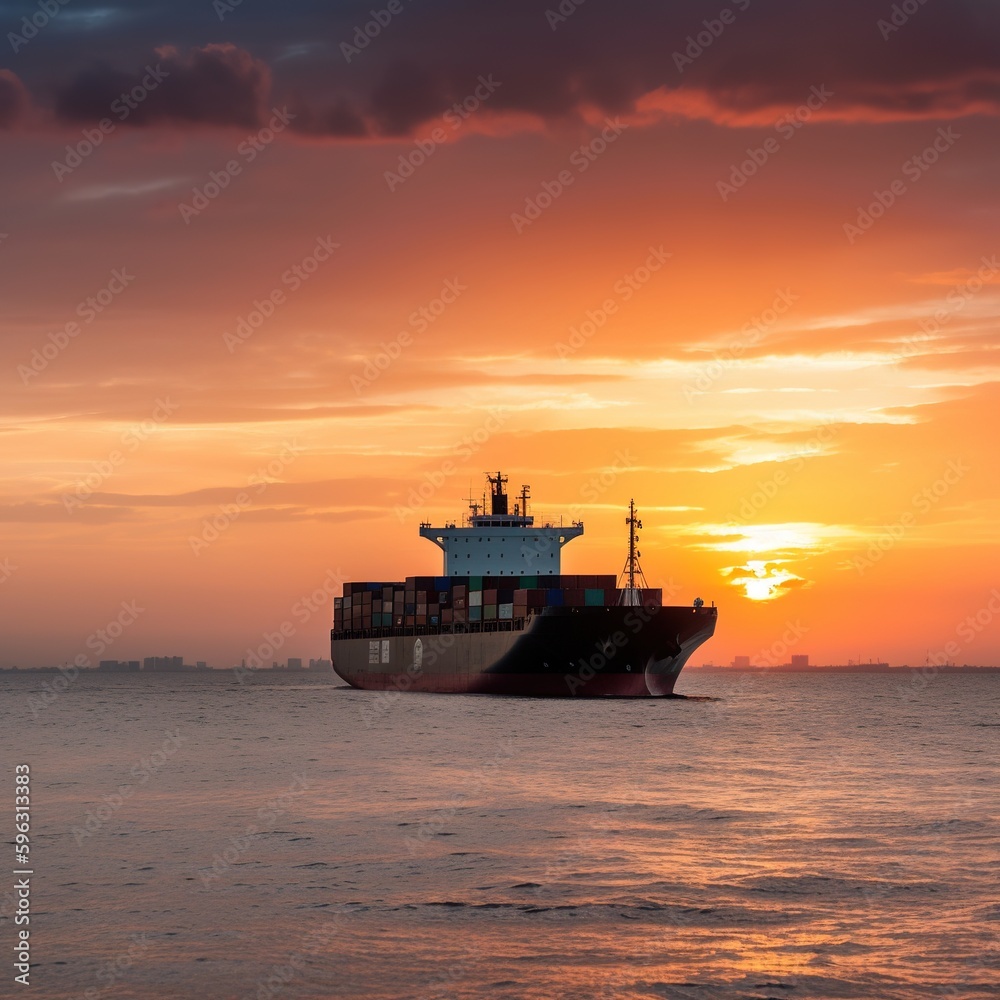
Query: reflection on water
[[793, 836]]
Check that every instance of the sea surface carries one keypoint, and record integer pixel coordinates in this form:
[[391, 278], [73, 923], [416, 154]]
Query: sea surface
[[780, 835]]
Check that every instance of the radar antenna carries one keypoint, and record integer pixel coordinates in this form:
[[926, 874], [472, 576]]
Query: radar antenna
[[632, 572]]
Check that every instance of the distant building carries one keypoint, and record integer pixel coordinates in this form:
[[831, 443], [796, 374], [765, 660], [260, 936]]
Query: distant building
[[118, 666], [320, 664], [164, 663], [800, 659], [741, 661], [294, 663], [201, 665]]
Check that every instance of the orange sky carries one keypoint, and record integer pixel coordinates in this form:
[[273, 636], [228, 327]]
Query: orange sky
[[835, 456]]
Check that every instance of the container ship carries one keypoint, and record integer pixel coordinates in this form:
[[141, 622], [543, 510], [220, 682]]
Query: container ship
[[503, 619]]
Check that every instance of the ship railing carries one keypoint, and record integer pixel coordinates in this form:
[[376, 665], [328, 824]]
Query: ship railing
[[456, 628]]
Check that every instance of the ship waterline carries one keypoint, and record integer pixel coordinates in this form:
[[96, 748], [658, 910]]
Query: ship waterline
[[618, 651]]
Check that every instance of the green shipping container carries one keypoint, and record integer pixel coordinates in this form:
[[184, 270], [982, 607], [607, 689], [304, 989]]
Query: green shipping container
[[489, 612], [529, 582], [594, 598]]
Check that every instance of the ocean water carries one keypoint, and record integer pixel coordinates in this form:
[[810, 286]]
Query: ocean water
[[830, 835]]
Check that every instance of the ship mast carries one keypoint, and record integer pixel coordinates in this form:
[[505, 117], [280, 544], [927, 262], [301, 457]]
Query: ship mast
[[633, 571]]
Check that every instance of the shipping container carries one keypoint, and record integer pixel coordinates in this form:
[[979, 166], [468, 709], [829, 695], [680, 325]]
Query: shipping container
[[489, 612], [476, 614], [460, 615], [528, 582], [475, 598], [574, 598], [459, 604], [446, 616], [475, 583], [505, 595], [505, 611]]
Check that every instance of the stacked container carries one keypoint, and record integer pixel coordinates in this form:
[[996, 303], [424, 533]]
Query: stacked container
[[435, 601]]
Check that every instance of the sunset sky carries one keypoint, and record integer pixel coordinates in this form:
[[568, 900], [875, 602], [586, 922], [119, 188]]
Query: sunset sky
[[278, 282]]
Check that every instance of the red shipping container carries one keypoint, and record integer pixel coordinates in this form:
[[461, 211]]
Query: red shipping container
[[575, 598]]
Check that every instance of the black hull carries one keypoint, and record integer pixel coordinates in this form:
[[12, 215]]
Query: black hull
[[617, 651]]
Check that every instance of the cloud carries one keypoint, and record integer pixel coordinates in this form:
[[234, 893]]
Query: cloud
[[636, 58], [213, 85]]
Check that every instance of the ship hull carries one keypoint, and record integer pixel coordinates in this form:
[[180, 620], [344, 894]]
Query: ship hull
[[630, 652]]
